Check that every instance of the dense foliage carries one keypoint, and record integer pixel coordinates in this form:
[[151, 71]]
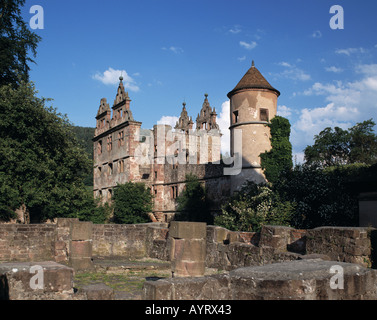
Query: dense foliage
[[253, 206], [131, 203], [193, 203], [279, 158], [84, 136], [42, 166], [322, 197], [17, 42]]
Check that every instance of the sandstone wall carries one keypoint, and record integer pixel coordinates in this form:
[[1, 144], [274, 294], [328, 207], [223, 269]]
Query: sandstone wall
[[27, 242], [225, 249]]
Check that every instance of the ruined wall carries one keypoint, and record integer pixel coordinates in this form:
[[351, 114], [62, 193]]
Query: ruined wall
[[225, 249], [27, 242], [113, 240]]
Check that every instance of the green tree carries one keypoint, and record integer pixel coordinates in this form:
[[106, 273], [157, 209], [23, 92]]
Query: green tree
[[338, 147], [132, 202], [323, 197], [279, 158], [363, 143], [193, 203], [253, 206], [16, 43], [41, 163]]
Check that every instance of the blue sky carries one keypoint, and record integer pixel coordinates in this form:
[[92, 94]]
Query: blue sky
[[175, 51]]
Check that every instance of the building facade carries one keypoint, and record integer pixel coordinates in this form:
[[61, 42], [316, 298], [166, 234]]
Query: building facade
[[162, 157]]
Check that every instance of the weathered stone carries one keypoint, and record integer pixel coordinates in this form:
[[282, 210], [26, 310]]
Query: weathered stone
[[81, 231], [187, 230], [21, 281], [81, 249], [98, 292], [301, 279]]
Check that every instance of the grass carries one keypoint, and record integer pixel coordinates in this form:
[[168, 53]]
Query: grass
[[126, 281]]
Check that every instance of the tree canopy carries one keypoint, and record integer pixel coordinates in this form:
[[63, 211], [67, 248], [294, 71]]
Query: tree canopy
[[193, 203], [17, 42], [42, 166], [338, 146], [132, 202]]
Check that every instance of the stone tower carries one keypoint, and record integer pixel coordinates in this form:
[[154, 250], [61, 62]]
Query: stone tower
[[253, 103]]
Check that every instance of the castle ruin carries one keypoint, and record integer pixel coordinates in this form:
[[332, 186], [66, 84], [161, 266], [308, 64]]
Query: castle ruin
[[162, 157]]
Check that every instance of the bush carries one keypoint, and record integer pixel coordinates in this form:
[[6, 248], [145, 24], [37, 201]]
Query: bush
[[132, 202], [252, 207], [193, 203], [324, 197]]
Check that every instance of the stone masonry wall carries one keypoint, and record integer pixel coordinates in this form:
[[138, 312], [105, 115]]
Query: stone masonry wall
[[116, 240], [27, 242], [225, 249]]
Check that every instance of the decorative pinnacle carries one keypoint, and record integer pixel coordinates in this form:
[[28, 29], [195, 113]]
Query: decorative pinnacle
[[121, 78], [184, 104], [206, 95], [252, 63]]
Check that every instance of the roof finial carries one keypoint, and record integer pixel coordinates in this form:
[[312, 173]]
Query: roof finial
[[206, 95], [121, 76], [252, 63]]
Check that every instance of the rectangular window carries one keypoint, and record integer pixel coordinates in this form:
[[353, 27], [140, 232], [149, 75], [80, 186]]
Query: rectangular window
[[120, 138], [99, 147], [109, 143], [263, 115], [235, 116], [110, 169], [174, 192]]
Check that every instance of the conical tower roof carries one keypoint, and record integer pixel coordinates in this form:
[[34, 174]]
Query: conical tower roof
[[252, 79]]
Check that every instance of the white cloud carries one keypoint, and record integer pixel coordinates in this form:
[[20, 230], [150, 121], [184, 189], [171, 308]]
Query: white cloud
[[248, 46], [346, 104], [334, 69], [223, 121], [285, 64], [111, 77], [241, 58], [169, 120], [317, 34], [236, 29], [174, 49], [368, 69], [350, 51], [292, 72], [284, 111]]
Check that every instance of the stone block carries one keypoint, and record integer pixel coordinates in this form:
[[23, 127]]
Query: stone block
[[302, 280], [157, 290], [79, 264], [81, 249], [98, 292], [35, 280], [182, 268], [188, 230], [190, 250], [81, 231], [65, 222]]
